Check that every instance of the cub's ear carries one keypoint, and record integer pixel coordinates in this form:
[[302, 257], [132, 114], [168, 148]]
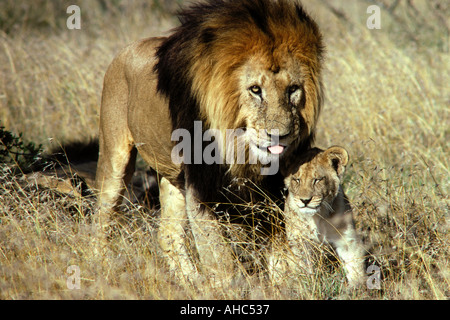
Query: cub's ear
[[338, 158], [287, 181]]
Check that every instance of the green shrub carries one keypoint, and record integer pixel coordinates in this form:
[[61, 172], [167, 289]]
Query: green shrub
[[20, 155]]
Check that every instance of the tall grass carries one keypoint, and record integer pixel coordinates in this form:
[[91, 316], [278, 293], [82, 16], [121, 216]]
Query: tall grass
[[387, 103]]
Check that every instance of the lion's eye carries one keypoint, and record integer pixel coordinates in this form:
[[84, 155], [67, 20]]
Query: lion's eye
[[296, 180], [292, 89], [256, 90]]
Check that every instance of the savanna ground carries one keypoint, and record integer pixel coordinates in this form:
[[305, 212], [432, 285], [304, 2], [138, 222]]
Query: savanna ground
[[387, 103]]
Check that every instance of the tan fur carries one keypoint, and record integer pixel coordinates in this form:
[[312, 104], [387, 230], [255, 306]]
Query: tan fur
[[317, 209], [132, 115]]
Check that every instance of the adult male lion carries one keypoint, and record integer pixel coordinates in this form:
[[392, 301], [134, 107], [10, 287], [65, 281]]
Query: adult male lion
[[252, 65]]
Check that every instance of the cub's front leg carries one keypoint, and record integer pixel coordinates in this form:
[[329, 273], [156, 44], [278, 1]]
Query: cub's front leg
[[338, 229]]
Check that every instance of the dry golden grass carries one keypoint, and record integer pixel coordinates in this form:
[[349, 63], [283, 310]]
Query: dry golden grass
[[387, 103]]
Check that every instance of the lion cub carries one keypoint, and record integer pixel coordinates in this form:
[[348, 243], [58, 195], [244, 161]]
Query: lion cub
[[317, 209]]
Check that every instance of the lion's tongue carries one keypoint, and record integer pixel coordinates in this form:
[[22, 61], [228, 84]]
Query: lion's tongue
[[276, 149]]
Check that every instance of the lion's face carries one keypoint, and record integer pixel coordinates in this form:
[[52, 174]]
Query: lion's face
[[272, 106], [316, 182]]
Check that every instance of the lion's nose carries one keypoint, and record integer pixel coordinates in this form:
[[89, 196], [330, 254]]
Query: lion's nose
[[274, 133]]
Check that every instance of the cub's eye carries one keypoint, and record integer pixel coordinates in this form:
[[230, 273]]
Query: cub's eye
[[317, 180], [296, 180], [256, 90]]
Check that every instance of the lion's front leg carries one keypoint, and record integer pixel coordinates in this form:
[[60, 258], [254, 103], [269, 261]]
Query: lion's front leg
[[172, 233], [214, 253]]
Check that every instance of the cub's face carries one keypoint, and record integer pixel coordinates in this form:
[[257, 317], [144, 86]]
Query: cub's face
[[316, 182]]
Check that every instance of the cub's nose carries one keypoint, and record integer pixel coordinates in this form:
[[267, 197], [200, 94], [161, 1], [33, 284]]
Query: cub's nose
[[306, 201]]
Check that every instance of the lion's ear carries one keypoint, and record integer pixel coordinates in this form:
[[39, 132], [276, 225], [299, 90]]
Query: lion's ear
[[338, 158]]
